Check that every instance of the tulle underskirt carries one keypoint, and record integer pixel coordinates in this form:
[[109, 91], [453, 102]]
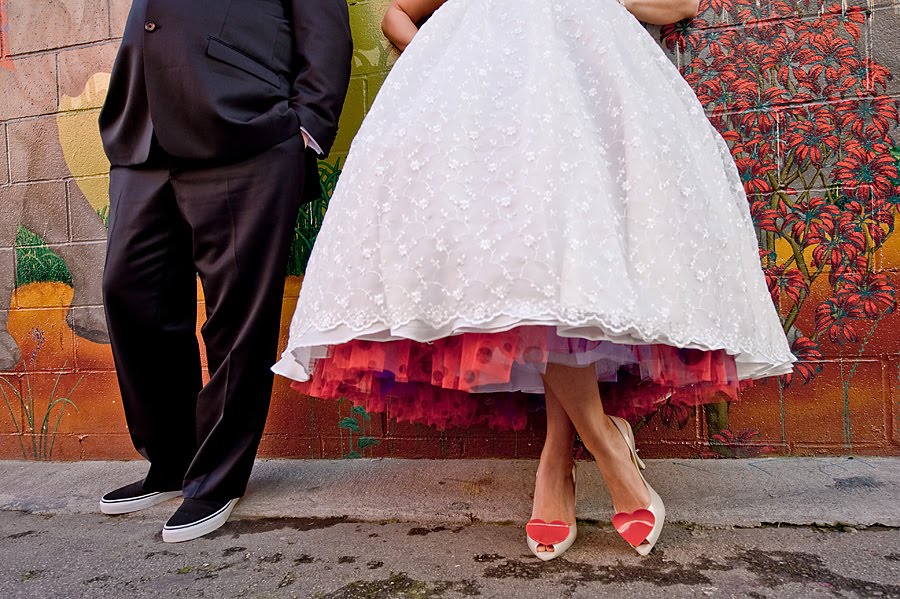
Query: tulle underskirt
[[478, 379]]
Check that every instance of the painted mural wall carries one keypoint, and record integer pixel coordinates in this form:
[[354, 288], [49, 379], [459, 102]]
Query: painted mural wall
[[805, 92]]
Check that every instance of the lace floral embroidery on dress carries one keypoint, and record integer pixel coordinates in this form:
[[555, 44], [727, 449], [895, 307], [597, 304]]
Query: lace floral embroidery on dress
[[537, 163]]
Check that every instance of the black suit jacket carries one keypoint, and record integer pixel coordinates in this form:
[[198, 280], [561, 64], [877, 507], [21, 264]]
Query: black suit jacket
[[223, 80]]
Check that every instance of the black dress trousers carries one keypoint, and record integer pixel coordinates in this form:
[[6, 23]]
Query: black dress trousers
[[232, 224]]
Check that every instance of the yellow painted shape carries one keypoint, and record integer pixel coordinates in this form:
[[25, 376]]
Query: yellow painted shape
[[890, 253], [96, 190], [373, 57], [79, 137], [352, 115], [371, 51], [92, 97]]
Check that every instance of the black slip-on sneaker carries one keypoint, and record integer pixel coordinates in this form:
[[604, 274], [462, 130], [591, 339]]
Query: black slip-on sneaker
[[132, 498], [197, 517]]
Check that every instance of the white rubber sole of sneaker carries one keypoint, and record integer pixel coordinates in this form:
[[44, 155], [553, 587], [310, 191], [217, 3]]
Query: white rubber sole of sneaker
[[136, 504], [195, 530]]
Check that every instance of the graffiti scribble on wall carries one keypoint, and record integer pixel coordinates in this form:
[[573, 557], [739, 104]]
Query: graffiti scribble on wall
[[5, 61]]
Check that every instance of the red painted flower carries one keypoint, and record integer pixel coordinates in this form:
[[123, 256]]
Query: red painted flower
[[719, 40], [833, 318], [838, 60], [764, 216], [879, 111], [866, 294], [683, 34], [675, 415], [832, 24], [783, 55], [867, 175], [827, 59], [862, 73], [755, 174], [758, 109], [788, 282], [753, 143], [809, 360], [756, 17], [878, 75], [717, 6], [838, 241], [793, 285], [850, 18], [725, 87], [744, 444], [812, 215], [875, 217], [871, 140], [808, 139], [855, 264]]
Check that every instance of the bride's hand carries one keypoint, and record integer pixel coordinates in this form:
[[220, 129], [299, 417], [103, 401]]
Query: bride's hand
[[662, 12], [400, 21]]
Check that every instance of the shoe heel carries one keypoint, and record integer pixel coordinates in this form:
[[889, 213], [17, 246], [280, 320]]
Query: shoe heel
[[625, 430], [647, 522], [640, 462]]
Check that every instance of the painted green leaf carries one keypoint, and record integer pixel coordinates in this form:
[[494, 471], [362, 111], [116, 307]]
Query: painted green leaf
[[354, 454], [364, 442], [37, 263], [309, 219], [349, 424], [361, 411]]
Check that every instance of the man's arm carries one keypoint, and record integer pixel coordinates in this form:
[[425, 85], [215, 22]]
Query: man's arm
[[324, 49]]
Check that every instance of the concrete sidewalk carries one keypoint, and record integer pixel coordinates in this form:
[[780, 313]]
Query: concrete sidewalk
[[855, 492], [401, 529], [88, 556]]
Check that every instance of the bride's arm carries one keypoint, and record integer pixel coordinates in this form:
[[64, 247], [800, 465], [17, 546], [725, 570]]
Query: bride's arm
[[400, 22], [662, 12]]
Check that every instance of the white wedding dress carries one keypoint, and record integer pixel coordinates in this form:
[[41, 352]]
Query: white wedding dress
[[538, 163]]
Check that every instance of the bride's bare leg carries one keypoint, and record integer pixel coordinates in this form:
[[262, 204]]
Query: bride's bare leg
[[554, 497], [577, 392]]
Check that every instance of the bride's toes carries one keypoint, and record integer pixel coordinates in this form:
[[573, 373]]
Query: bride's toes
[[552, 528]]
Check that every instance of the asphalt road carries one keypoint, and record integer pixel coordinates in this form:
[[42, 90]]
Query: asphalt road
[[93, 556]]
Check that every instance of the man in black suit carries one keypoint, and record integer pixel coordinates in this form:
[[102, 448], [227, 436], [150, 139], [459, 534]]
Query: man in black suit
[[214, 117]]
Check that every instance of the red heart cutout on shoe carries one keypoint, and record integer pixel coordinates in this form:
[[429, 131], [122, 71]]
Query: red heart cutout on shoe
[[547, 533], [634, 527]]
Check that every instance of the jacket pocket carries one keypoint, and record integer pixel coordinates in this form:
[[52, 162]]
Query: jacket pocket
[[230, 55]]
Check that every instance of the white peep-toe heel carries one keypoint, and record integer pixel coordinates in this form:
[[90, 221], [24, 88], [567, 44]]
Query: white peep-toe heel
[[557, 534], [640, 528]]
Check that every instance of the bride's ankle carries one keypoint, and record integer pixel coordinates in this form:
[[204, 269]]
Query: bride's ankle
[[557, 454], [609, 443], [556, 464]]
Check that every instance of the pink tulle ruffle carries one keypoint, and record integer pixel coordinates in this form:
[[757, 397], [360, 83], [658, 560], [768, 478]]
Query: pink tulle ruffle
[[475, 379]]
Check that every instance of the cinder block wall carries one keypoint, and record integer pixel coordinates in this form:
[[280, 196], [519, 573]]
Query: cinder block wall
[[805, 93]]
